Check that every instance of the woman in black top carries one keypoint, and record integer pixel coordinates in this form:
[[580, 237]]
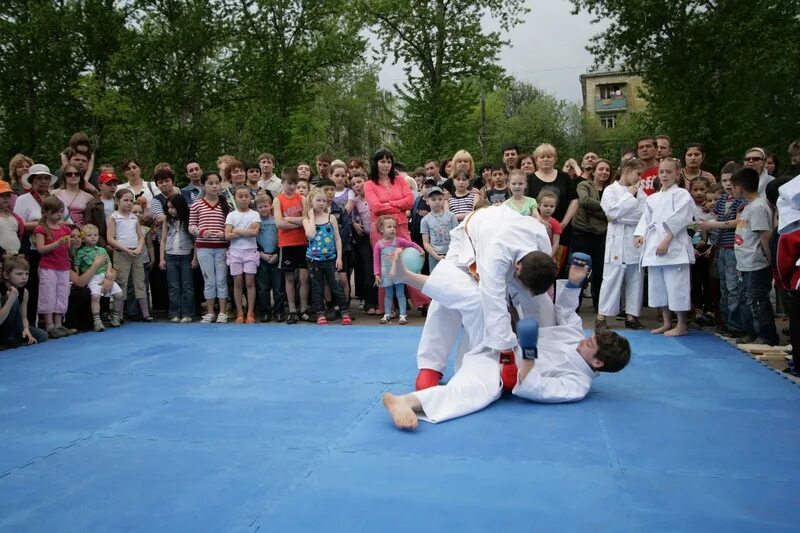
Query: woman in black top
[[547, 176]]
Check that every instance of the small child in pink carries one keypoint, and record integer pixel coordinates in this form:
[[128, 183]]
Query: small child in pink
[[52, 242], [382, 264]]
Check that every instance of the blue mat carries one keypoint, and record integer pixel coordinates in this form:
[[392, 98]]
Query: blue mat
[[245, 428]]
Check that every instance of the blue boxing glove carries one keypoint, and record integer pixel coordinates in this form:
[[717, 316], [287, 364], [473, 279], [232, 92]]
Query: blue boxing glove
[[579, 259], [528, 337]]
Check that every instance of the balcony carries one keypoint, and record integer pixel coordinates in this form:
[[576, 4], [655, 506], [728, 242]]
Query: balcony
[[605, 105]]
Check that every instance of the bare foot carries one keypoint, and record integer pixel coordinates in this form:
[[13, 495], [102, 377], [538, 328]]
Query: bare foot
[[677, 331], [398, 271], [402, 414], [662, 329]]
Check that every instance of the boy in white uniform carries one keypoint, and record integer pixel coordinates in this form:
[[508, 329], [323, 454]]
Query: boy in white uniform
[[623, 204], [496, 245], [564, 371], [667, 248]]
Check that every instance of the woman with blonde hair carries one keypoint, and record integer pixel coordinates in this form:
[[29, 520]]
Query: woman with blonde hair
[[462, 162], [18, 167], [547, 176]]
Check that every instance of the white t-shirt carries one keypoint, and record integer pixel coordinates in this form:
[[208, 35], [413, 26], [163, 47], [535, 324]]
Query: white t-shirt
[[28, 208], [240, 220]]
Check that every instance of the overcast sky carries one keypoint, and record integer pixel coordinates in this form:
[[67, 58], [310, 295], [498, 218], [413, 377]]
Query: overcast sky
[[548, 49]]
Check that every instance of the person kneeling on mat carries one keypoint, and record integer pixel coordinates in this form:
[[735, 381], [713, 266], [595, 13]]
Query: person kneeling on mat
[[561, 367]]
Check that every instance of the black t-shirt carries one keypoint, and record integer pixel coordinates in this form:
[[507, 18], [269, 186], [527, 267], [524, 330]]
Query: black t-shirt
[[563, 186]]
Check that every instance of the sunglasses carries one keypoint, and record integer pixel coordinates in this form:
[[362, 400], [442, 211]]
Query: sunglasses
[[72, 174], [753, 158]]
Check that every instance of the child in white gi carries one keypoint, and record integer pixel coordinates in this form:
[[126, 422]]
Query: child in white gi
[[667, 248], [622, 203], [564, 371]]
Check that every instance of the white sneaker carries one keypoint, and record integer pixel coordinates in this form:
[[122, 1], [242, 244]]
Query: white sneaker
[[186, 320], [222, 318], [403, 320], [175, 319], [207, 319]]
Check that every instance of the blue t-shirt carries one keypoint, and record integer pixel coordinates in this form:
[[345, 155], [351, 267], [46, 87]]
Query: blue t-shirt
[[268, 236]]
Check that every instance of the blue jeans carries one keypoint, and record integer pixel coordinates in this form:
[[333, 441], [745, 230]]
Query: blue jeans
[[270, 279], [398, 289], [729, 291], [756, 309], [215, 272], [180, 285], [432, 263]]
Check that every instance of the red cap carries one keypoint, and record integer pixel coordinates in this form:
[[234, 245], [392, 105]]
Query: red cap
[[107, 176]]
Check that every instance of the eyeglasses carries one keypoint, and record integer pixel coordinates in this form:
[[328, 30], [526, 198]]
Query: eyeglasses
[[72, 174], [753, 158]]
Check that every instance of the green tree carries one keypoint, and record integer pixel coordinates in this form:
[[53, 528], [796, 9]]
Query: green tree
[[722, 72], [524, 114], [447, 59], [40, 69], [279, 51]]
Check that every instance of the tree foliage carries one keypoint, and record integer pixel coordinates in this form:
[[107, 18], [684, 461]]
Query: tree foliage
[[447, 57], [722, 72]]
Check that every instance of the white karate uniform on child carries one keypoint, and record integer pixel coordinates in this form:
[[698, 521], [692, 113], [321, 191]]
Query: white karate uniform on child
[[495, 239], [668, 211], [559, 375], [621, 259]]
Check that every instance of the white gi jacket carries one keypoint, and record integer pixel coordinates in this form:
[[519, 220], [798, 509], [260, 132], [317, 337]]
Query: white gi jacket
[[560, 373], [667, 211], [623, 211], [496, 238]]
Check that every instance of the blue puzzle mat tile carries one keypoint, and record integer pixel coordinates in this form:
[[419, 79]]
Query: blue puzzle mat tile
[[508, 428], [66, 403], [692, 435], [667, 501], [271, 414], [19, 448], [119, 484], [386, 492]]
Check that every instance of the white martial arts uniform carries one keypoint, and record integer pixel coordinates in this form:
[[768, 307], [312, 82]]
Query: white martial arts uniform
[[559, 375], [495, 239], [668, 211], [623, 211]]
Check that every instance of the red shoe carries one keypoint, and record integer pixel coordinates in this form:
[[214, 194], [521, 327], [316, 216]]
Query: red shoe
[[428, 378], [346, 320], [508, 370]]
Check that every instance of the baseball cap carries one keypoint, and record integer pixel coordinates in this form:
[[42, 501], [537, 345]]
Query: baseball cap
[[5, 187], [107, 176], [435, 190]]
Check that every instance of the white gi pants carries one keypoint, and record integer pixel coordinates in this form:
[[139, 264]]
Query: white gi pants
[[669, 286], [614, 276]]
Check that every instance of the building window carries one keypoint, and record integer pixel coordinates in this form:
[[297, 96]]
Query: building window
[[607, 92], [609, 122]]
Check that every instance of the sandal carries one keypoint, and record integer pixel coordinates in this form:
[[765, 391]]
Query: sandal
[[322, 320]]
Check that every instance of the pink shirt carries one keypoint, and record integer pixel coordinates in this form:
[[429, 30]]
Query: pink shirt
[[75, 204], [394, 201], [58, 259]]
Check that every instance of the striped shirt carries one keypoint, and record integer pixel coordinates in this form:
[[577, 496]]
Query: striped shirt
[[463, 204], [725, 211], [203, 218]]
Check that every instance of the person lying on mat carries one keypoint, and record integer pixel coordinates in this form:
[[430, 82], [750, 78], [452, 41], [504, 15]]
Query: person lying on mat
[[510, 254], [566, 366]]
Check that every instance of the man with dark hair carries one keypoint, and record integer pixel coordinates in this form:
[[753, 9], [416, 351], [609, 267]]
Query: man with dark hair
[[646, 152], [498, 246], [663, 147], [561, 368], [269, 181], [194, 189], [510, 156], [323, 161]]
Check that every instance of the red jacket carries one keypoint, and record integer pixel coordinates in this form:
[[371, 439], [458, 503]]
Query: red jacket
[[788, 255]]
